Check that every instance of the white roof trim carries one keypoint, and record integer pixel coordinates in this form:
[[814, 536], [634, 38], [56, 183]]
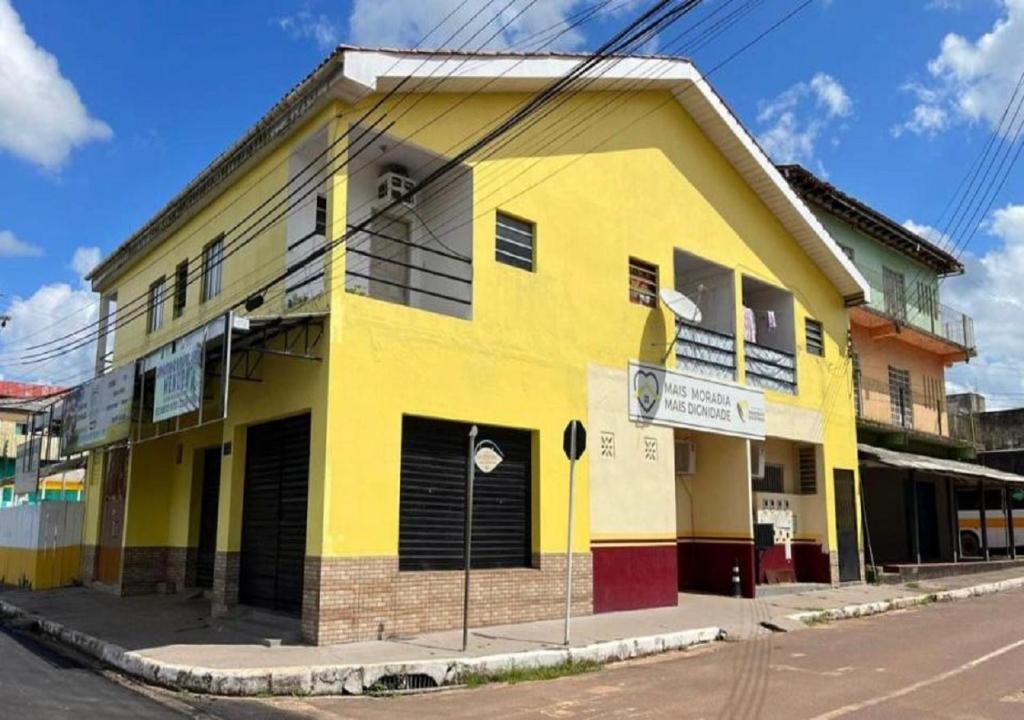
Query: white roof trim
[[894, 458], [381, 70]]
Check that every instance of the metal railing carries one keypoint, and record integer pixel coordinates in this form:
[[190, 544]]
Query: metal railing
[[770, 369], [705, 352]]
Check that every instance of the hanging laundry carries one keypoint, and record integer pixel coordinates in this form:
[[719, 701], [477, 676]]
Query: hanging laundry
[[749, 325], [771, 319]]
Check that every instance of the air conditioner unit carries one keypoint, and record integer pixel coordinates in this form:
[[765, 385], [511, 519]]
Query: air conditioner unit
[[757, 459], [395, 184], [686, 458]]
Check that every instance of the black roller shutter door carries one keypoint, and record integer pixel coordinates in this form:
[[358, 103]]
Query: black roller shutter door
[[432, 504], [274, 504]]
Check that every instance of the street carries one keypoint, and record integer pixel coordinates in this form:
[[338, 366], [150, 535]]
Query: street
[[941, 661]]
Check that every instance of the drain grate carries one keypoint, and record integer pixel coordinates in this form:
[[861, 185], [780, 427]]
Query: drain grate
[[398, 684]]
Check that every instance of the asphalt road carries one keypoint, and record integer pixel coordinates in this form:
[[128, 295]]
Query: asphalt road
[[960, 660]]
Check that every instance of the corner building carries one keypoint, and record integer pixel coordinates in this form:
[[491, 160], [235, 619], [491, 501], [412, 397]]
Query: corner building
[[325, 476]]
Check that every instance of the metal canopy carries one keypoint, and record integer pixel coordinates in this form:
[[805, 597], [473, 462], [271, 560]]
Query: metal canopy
[[293, 336], [894, 458]]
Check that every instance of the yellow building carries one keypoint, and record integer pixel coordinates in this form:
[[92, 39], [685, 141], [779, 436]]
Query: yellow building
[[520, 290]]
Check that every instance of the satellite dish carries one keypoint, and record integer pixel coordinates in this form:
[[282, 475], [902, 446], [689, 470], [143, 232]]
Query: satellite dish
[[681, 306]]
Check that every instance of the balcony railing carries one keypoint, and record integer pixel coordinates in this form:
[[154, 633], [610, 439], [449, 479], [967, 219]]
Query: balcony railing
[[770, 369], [705, 352]]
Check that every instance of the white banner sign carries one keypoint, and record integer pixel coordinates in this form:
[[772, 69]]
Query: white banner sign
[[26, 472], [665, 397], [179, 377], [100, 411]]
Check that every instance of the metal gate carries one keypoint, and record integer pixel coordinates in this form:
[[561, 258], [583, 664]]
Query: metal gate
[[209, 501], [115, 485], [274, 505], [846, 525]]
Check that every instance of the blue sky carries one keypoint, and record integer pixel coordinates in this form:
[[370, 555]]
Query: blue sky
[[150, 92]]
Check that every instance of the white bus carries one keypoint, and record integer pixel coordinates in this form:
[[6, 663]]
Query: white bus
[[969, 521]]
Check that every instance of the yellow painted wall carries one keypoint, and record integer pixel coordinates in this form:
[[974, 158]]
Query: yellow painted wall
[[715, 501], [40, 569]]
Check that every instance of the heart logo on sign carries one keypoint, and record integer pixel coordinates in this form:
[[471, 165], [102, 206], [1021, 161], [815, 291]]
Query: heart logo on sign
[[648, 390]]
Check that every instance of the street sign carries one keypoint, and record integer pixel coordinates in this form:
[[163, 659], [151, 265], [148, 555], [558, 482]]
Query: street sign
[[581, 440], [488, 456]]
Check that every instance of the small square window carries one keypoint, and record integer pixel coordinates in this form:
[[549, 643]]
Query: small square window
[[20, 428], [643, 283], [814, 337], [651, 449], [607, 444], [514, 242]]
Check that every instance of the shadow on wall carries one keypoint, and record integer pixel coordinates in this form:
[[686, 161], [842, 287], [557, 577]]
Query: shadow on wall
[[655, 345]]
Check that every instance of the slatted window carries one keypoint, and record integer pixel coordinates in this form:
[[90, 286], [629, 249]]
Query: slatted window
[[773, 480], [155, 315], [213, 269], [432, 498], [180, 288], [928, 298], [894, 289], [814, 337], [807, 468], [643, 283], [857, 384], [514, 242], [321, 216]]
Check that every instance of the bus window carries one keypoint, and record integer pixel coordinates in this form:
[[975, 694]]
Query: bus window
[[966, 500], [1017, 498], [993, 500]]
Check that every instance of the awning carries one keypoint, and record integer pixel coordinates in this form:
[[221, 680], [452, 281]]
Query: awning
[[893, 458]]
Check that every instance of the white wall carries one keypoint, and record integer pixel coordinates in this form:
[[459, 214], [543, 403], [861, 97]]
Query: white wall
[[45, 526]]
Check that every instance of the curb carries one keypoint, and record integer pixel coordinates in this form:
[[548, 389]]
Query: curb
[[882, 606], [350, 679]]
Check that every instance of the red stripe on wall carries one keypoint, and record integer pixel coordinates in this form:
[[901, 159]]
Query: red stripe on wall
[[629, 578], [707, 566]]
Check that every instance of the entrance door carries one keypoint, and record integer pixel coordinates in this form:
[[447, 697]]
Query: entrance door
[[846, 525], [115, 484], [274, 504], [927, 521], [209, 502]]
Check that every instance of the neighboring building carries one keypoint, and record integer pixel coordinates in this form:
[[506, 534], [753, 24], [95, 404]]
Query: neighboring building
[[902, 342], [517, 294], [17, 402]]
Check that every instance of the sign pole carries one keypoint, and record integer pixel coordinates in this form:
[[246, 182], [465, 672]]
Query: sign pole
[[468, 533], [568, 542]]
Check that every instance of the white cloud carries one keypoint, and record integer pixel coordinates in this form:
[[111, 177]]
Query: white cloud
[[305, 25], [927, 232], [52, 311], [970, 80], [795, 119], [403, 23], [992, 293], [42, 118], [84, 260], [11, 246]]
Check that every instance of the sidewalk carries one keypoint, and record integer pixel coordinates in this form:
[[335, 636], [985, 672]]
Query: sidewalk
[[173, 641]]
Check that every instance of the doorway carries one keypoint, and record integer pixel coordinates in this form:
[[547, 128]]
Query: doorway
[[846, 525], [209, 503], [115, 485], [274, 502]]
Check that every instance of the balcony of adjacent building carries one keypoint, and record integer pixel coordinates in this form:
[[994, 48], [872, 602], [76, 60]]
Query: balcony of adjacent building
[[901, 406], [411, 249], [908, 308]]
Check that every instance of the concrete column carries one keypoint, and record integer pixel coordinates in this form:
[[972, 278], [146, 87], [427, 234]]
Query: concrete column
[[1011, 545], [954, 520], [984, 519], [229, 520], [916, 529]]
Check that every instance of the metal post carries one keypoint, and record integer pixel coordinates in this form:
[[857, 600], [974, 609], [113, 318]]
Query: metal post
[[954, 520], [984, 519], [568, 542], [1011, 544], [468, 535], [916, 539]]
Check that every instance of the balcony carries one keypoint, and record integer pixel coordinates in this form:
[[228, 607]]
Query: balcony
[[706, 344], [700, 351], [770, 369], [769, 355]]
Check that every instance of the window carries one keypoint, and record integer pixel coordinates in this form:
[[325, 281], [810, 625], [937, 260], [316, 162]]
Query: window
[[807, 464], [213, 269], [156, 305], [180, 288], [514, 241], [857, 385], [643, 283], [901, 401], [607, 444], [895, 293], [651, 449], [847, 251], [814, 337], [432, 498], [21, 428], [772, 480], [320, 227]]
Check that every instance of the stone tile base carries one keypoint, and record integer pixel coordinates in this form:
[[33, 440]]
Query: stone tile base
[[154, 569], [349, 599], [225, 581]]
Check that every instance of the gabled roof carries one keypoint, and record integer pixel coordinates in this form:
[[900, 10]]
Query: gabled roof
[[869, 221], [352, 73]]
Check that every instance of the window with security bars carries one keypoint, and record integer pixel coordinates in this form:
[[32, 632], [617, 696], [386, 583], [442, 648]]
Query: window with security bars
[[901, 399], [180, 288], [213, 269], [807, 469], [894, 288], [643, 283], [857, 402], [773, 480], [514, 242], [155, 315], [814, 337]]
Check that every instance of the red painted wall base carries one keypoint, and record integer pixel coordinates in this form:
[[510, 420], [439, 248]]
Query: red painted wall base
[[706, 566], [629, 578]]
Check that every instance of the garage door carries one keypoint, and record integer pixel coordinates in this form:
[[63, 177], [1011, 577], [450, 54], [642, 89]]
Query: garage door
[[274, 515]]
